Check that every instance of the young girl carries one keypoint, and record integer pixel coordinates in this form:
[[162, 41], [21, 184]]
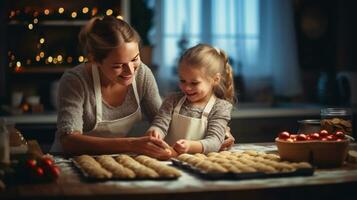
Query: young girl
[[194, 120]]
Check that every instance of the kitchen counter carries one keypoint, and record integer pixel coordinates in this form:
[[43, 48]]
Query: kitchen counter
[[337, 183], [240, 113]]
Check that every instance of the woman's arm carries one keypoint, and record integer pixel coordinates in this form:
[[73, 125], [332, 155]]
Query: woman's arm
[[149, 92], [76, 143]]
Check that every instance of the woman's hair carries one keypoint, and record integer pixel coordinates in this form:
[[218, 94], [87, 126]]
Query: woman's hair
[[213, 61], [103, 34]]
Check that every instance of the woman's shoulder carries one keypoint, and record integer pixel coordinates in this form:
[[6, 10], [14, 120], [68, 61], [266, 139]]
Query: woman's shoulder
[[76, 75]]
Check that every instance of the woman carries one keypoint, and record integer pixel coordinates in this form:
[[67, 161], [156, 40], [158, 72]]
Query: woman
[[102, 100]]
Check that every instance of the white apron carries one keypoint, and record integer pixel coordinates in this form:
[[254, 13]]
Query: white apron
[[184, 127], [108, 128]]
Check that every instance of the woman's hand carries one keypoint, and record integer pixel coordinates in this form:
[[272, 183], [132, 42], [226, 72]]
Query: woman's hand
[[152, 147], [182, 146], [228, 141]]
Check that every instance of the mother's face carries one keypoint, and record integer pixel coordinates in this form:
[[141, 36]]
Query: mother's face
[[121, 63]]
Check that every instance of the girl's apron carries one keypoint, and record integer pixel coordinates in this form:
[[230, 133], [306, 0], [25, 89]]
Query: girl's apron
[[184, 127]]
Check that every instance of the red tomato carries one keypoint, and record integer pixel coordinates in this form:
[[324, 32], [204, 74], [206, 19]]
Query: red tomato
[[314, 136], [324, 139], [323, 133], [340, 135], [284, 135], [301, 137], [55, 172], [31, 163], [330, 137], [46, 162]]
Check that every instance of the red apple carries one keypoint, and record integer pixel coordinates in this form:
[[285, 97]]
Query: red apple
[[301, 137], [284, 135], [314, 136], [340, 135], [323, 133]]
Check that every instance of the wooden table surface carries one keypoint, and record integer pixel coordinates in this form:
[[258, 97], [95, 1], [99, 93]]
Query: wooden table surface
[[337, 183]]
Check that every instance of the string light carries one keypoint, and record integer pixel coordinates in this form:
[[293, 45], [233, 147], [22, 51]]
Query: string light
[[49, 59], [42, 40], [109, 12], [59, 58], [80, 58], [85, 10], [46, 11], [60, 10], [33, 15], [94, 11]]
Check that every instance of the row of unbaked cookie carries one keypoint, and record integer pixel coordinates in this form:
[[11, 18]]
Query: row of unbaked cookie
[[240, 162], [124, 167]]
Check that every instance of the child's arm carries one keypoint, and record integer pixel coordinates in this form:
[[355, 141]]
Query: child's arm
[[216, 128], [160, 126], [188, 146]]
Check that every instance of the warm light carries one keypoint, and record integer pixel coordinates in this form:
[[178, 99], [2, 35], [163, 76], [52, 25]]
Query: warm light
[[42, 54], [12, 14], [94, 11], [59, 58], [38, 58], [120, 17], [60, 10], [55, 61], [80, 58], [35, 14], [30, 26], [42, 40], [74, 14], [18, 64], [35, 21], [46, 11], [109, 12], [69, 59], [85, 10], [50, 59]]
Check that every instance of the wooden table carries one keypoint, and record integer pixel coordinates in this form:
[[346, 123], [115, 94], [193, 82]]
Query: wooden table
[[338, 183]]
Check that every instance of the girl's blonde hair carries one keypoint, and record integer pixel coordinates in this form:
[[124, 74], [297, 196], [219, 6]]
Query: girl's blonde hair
[[103, 34], [214, 61]]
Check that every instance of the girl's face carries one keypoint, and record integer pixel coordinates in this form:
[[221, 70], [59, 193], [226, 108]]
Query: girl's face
[[121, 63], [194, 82]]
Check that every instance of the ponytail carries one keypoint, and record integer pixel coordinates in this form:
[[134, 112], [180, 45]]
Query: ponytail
[[227, 83]]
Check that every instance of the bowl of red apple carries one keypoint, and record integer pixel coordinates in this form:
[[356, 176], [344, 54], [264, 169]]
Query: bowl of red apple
[[320, 148]]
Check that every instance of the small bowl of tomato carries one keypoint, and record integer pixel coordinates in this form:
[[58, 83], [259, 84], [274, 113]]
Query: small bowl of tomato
[[321, 149]]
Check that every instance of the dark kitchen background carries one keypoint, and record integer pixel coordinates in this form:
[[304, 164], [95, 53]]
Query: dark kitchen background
[[293, 56]]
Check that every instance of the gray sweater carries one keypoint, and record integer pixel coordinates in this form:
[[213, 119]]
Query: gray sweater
[[218, 119], [76, 100]]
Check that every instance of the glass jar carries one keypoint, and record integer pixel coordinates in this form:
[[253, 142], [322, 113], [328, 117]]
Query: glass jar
[[336, 119]]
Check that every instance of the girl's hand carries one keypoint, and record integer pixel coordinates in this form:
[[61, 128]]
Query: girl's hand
[[152, 147], [228, 141], [182, 146], [153, 133]]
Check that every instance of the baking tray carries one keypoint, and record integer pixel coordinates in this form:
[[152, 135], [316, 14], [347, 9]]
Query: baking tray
[[240, 176], [88, 178]]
